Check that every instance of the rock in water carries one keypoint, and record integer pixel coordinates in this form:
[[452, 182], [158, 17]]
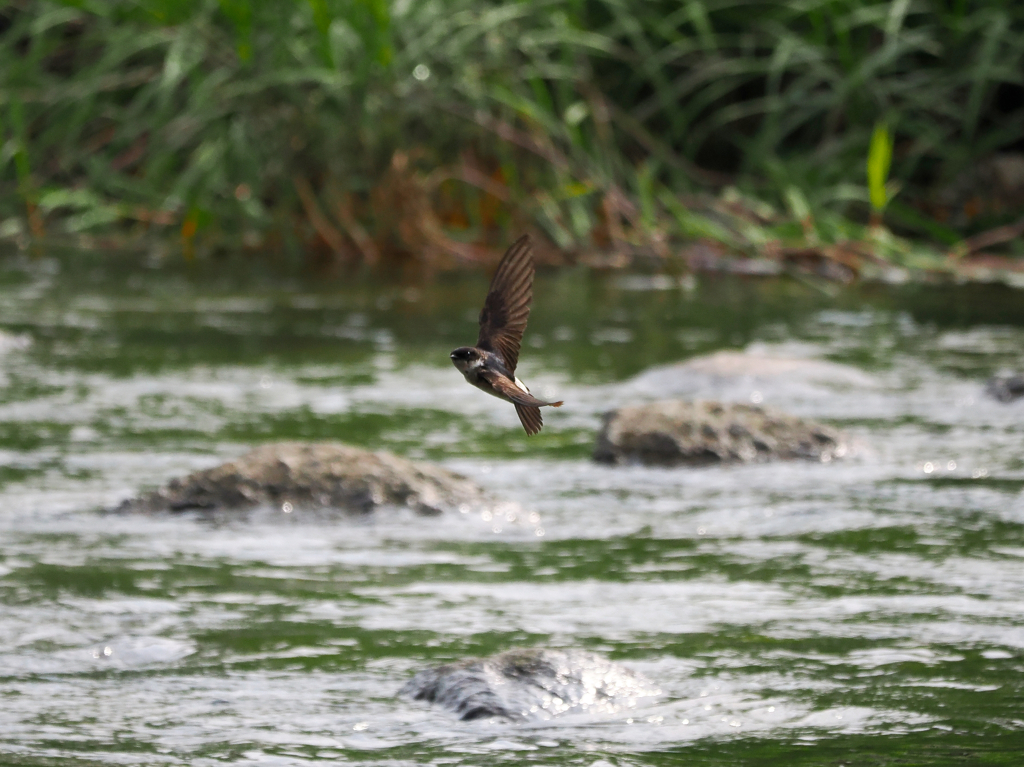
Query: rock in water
[[316, 475], [530, 684], [761, 371], [676, 432], [1006, 388]]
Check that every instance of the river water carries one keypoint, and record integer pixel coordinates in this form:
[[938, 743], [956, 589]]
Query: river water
[[867, 611]]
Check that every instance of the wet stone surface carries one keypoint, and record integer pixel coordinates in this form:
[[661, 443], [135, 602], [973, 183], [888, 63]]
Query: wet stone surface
[[315, 475], [676, 432], [524, 684]]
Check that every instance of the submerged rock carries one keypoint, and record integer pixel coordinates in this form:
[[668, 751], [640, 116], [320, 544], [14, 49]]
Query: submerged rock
[[315, 475], [756, 362], [674, 432], [1006, 388], [530, 684], [760, 372]]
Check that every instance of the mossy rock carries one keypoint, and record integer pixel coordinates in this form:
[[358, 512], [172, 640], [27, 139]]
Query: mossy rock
[[318, 475], [678, 432]]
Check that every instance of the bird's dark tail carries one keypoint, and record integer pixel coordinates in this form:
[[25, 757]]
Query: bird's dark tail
[[530, 418]]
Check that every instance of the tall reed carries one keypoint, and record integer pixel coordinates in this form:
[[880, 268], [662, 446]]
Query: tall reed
[[377, 127]]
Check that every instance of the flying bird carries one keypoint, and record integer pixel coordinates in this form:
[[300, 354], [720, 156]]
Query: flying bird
[[491, 364]]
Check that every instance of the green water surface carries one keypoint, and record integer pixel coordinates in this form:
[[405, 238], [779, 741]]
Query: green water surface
[[866, 612]]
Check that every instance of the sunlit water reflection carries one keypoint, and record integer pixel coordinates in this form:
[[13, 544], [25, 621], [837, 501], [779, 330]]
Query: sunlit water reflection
[[873, 605]]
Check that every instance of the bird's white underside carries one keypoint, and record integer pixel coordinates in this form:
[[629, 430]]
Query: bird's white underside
[[469, 369]]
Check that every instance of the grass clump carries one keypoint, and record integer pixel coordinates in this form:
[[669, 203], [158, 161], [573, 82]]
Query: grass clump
[[372, 130]]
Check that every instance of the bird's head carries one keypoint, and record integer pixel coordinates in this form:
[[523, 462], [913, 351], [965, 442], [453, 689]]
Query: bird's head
[[466, 358]]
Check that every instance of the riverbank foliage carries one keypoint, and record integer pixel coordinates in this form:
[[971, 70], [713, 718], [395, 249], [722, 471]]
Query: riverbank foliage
[[377, 130]]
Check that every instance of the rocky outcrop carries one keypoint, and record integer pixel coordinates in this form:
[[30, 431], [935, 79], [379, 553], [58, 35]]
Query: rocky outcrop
[[1006, 388], [292, 475], [530, 684], [677, 432]]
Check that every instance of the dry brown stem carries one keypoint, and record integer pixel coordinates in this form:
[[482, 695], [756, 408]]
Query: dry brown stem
[[513, 135], [988, 238], [342, 204], [468, 174], [316, 217]]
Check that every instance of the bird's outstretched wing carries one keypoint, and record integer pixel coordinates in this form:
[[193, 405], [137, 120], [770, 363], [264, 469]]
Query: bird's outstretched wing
[[507, 306]]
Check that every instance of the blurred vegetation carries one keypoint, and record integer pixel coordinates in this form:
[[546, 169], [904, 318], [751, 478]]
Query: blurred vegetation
[[802, 132]]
